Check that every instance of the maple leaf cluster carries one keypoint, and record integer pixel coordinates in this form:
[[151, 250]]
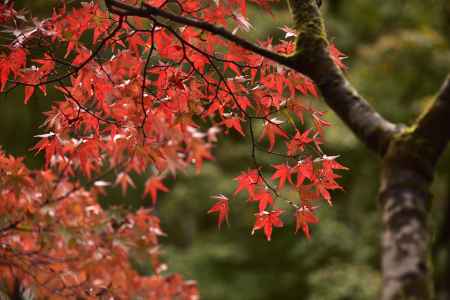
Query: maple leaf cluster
[[144, 96], [58, 240]]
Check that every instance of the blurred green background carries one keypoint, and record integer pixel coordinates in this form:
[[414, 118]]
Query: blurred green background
[[399, 54]]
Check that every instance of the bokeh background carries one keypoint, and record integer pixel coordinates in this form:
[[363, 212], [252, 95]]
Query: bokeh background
[[398, 55]]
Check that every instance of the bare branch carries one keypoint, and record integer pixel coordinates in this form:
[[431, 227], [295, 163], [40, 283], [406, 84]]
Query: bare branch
[[147, 11], [434, 125]]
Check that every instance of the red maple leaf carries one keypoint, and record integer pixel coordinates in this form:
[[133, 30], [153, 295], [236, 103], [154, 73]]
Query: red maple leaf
[[124, 180], [234, 123], [329, 163], [305, 170], [298, 142], [271, 130], [152, 186], [220, 207], [264, 198], [319, 123], [248, 181], [283, 172], [267, 220], [337, 56], [304, 216], [307, 86]]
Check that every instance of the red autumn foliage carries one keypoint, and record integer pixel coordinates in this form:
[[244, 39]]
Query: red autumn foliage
[[141, 97], [220, 207], [266, 220]]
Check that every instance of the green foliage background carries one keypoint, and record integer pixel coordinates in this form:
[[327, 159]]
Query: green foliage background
[[399, 54]]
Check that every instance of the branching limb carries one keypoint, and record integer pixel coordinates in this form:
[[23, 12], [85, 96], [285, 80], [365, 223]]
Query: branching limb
[[312, 58]]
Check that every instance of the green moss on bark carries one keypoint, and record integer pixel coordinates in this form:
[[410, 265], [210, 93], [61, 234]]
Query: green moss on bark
[[308, 24]]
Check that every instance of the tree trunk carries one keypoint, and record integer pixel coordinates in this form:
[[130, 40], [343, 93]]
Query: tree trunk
[[405, 201], [442, 246]]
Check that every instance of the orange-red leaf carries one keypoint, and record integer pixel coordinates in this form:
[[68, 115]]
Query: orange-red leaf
[[220, 207], [266, 220], [264, 198], [305, 170], [152, 186], [234, 123], [271, 130], [303, 217], [283, 172], [248, 181], [337, 56]]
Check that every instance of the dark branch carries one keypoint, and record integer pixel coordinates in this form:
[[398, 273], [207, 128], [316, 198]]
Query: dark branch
[[362, 119], [432, 130], [76, 69], [148, 11]]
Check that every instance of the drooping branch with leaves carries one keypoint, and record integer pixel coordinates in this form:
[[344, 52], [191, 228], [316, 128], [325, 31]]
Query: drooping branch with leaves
[[145, 88]]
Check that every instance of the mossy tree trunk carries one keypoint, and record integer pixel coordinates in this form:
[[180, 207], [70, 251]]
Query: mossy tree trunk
[[408, 168], [405, 200]]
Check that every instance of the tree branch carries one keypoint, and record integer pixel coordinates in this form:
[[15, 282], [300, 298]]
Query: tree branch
[[432, 129], [312, 58], [147, 11], [408, 168]]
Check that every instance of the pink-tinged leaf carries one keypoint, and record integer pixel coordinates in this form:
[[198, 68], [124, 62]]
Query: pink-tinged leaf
[[220, 207], [266, 220], [319, 122], [242, 21], [152, 186], [290, 32]]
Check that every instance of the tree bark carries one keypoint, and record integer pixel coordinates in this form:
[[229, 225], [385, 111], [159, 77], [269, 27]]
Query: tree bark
[[405, 199], [408, 168], [442, 246]]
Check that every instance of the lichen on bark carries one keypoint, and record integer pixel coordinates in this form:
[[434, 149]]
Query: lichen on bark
[[308, 24]]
